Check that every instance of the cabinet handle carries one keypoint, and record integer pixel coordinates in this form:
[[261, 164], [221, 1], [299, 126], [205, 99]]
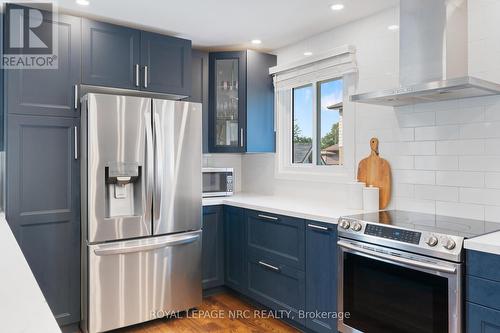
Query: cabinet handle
[[75, 90], [137, 75], [145, 76], [274, 268], [317, 227], [76, 142], [241, 137], [267, 217]]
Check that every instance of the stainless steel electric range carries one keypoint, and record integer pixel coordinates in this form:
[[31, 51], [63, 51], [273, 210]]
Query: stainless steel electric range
[[401, 272]]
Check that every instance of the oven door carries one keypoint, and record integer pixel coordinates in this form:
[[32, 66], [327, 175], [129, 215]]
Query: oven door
[[383, 290]]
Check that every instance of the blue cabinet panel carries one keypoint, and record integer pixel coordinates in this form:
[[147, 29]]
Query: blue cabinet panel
[[277, 286], [49, 92], [321, 275], [484, 265], [168, 63], [43, 206], [213, 247], [481, 319], [235, 254], [484, 292], [279, 237], [111, 54], [260, 102]]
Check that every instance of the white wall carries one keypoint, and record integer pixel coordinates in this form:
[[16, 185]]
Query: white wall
[[445, 156]]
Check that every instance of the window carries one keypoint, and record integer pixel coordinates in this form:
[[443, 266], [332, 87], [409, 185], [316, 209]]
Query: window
[[317, 128]]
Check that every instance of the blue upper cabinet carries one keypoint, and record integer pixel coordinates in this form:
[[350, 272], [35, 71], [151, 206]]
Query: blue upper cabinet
[[49, 92], [166, 64], [111, 55], [241, 102], [121, 57]]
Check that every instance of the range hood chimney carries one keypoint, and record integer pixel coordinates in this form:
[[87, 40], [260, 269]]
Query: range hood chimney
[[433, 53]]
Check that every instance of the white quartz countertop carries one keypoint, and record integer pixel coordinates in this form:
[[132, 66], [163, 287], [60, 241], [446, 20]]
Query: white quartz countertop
[[23, 309], [489, 243], [310, 210]]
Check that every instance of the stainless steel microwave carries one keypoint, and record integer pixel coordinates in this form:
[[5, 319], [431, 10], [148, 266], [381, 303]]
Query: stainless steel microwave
[[218, 182]]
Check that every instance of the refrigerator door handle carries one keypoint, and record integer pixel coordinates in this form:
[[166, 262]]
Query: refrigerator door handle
[[149, 166], [147, 247], [158, 181]]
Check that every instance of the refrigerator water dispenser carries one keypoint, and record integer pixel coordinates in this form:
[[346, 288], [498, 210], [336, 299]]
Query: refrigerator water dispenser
[[123, 189]]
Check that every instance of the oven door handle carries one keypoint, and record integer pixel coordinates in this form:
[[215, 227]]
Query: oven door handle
[[401, 260]]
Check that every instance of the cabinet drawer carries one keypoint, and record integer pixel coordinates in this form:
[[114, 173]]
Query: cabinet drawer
[[484, 265], [484, 292], [279, 237], [277, 286], [482, 320]]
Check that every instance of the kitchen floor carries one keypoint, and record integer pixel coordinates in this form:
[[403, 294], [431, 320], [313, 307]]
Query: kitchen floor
[[220, 307]]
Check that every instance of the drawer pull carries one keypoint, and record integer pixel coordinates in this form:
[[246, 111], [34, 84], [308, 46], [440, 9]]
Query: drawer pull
[[274, 268], [318, 227], [267, 217]]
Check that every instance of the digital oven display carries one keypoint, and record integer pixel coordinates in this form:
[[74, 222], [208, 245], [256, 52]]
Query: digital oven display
[[406, 236]]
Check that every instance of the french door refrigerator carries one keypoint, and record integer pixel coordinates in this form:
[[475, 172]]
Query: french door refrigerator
[[141, 209]]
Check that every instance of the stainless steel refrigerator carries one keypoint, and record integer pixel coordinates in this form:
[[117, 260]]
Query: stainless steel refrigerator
[[141, 209]]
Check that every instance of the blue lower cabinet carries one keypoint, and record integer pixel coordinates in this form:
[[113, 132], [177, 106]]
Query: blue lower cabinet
[[277, 286], [321, 276], [235, 254], [483, 291], [481, 319], [213, 247], [483, 265], [279, 237]]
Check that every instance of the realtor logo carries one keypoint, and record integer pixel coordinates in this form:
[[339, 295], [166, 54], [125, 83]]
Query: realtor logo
[[29, 36]]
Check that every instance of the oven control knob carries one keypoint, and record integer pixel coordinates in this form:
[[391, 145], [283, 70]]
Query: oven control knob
[[432, 241], [357, 226], [344, 224], [449, 244]]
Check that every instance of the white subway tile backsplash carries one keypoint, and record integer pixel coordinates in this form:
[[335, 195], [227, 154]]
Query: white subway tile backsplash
[[417, 119], [480, 196], [492, 213], [460, 116], [460, 210], [441, 193], [480, 130], [415, 176], [460, 147], [492, 147], [479, 163], [416, 205], [451, 132], [492, 180], [403, 190], [460, 178], [436, 163]]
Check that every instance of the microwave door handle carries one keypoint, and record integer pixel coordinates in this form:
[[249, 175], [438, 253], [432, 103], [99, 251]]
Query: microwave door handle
[[400, 260], [149, 166], [147, 247], [158, 173]]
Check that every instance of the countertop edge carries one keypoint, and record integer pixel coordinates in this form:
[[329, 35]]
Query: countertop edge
[[488, 243]]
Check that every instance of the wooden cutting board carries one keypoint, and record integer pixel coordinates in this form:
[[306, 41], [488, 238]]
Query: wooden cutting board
[[376, 171]]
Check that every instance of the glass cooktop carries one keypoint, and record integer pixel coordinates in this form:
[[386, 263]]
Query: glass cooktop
[[429, 222]]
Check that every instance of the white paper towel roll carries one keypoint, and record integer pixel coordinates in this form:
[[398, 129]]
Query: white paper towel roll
[[356, 195], [370, 198]]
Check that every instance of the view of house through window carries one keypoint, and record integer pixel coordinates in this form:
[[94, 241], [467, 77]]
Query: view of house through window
[[327, 120], [330, 123]]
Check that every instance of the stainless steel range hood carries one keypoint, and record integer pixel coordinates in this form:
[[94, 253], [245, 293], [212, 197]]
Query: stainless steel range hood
[[433, 52]]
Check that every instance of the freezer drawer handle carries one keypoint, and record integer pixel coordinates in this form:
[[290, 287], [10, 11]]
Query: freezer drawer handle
[[147, 247]]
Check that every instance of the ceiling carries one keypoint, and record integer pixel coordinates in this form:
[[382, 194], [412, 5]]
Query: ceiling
[[227, 24]]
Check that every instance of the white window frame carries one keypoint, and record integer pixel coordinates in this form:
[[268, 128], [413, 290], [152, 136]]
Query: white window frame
[[315, 74]]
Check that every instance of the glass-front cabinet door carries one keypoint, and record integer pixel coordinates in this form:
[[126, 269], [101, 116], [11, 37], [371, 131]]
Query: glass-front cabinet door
[[227, 94]]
